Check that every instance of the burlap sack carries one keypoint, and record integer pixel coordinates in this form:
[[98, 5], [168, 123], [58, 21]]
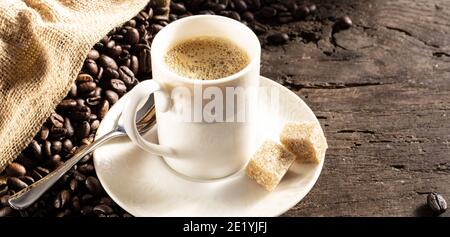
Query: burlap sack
[[43, 44]]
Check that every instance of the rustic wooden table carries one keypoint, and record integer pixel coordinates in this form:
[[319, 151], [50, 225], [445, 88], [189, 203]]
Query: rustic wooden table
[[381, 91]]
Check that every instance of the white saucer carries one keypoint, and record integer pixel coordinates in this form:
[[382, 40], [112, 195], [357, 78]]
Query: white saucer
[[144, 185]]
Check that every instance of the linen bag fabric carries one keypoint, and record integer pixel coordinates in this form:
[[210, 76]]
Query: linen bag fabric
[[43, 44]]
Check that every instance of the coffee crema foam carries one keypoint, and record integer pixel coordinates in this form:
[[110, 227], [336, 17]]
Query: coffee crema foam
[[206, 58]]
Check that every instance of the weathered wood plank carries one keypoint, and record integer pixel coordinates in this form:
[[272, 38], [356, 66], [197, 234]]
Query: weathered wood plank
[[382, 93]]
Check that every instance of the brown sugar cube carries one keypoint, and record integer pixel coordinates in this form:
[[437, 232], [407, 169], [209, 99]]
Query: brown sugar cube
[[305, 140], [269, 164]]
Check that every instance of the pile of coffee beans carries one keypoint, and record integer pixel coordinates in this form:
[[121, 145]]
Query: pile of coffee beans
[[259, 15], [114, 66], [111, 69]]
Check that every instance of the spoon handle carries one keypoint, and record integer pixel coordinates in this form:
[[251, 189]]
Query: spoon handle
[[30, 194]]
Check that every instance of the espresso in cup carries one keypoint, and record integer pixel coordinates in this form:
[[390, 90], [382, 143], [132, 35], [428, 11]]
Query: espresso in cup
[[206, 58]]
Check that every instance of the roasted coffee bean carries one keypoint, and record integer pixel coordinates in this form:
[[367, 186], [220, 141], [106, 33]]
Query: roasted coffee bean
[[177, 8], [81, 78], [91, 67], [344, 22], [104, 107], [55, 161], [98, 46], [111, 96], [115, 51], [36, 149], [234, 15], [106, 200], [81, 113], [107, 62], [47, 149], [27, 179], [248, 16], [68, 127], [65, 197], [43, 134], [67, 146], [131, 35], [134, 64], [131, 23], [56, 120], [145, 64], [206, 12], [6, 211], [76, 204], [73, 185], [3, 189], [93, 101], [268, 12], [93, 54], [312, 9], [302, 12], [291, 5], [79, 177], [118, 86], [126, 75], [100, 74], [86, 87], [173, 17], [109, 43], [94, 125], [278, 38], [42, 171], [285, 17], [102, 209], [4, 200], [63, 181], [56, 147], [66, 104], [240, 5], [259, 28], [436, 203], [36, 175], [279, 7], [16, 184], [83, 130], [86, 169], [80, 103], [98, 92], [93, 185], [57, 133], [15, 169], [110, 73]]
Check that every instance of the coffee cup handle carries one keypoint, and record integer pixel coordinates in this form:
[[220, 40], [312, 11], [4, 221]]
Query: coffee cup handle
[[135, 96]]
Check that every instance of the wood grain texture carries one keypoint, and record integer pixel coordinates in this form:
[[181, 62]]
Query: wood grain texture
[[381, 91]]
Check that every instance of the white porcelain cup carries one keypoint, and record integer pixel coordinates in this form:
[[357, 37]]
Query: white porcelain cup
[[199, 148]]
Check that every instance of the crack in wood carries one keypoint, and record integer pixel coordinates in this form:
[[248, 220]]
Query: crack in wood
[[380, 141], [441, 54], [355, 131], [409, 34], [332, 85], [398, 167]]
